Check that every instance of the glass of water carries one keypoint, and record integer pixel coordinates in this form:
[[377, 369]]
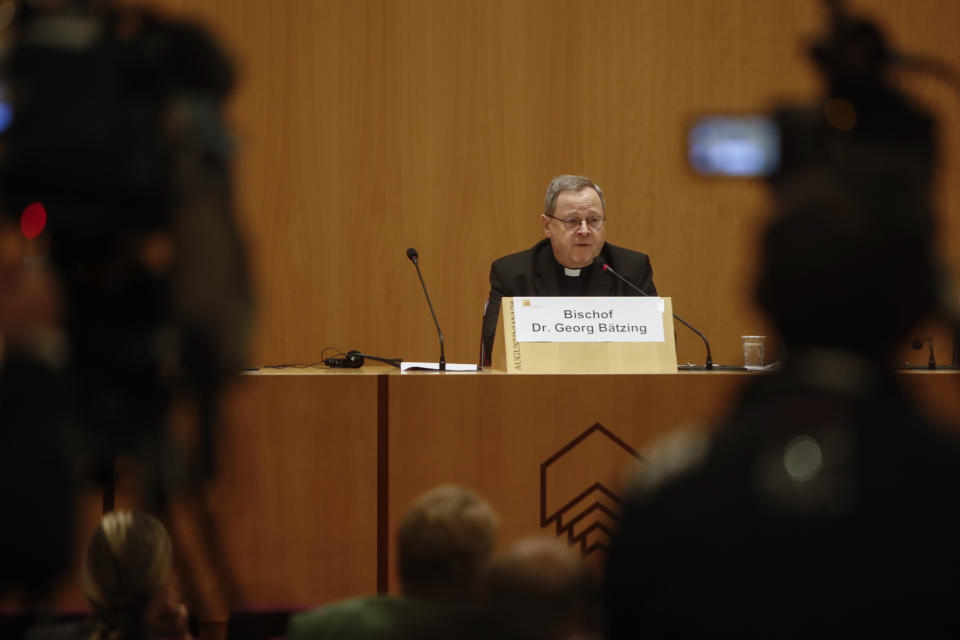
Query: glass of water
[[753, 347]]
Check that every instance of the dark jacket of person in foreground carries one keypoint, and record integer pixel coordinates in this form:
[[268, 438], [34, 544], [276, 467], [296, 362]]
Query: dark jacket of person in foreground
[[827, 504]]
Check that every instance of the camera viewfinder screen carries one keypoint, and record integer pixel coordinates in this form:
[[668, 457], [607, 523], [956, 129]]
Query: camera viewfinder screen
[[736, 146]]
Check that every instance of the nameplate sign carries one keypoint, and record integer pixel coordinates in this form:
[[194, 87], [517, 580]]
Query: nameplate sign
[[589, 319]]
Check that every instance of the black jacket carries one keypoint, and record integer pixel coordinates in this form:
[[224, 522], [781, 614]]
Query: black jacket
[[535, 272]]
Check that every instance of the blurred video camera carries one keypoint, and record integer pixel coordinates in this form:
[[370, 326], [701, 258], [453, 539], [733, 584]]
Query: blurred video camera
[[863, 141], [116, 162], [117, 131], [862, 124]]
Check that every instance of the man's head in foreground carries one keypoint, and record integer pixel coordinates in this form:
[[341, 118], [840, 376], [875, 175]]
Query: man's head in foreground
[[443, 541], [539, 589]]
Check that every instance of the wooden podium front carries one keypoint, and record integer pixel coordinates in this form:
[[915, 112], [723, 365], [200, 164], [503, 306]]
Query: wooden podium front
[[295, 501], [550, 452], [317, 466]]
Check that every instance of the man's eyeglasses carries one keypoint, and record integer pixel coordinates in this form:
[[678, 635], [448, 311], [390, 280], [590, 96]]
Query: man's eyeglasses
[[595, 223]]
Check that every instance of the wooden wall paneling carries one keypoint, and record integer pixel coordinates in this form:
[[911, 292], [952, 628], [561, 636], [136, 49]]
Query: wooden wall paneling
[[467, 89], [317, 170], [938, 392], [325, 228], [437, 125]]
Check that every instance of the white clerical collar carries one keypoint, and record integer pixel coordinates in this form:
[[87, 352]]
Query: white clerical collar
[[573, 273]]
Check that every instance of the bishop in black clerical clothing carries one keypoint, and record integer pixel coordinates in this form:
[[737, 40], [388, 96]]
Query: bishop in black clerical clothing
[[563, 263]]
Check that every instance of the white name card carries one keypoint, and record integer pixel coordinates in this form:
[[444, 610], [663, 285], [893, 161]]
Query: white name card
[[554, 319]]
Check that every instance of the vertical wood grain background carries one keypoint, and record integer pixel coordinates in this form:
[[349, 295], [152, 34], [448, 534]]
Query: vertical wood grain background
[[369, 126]]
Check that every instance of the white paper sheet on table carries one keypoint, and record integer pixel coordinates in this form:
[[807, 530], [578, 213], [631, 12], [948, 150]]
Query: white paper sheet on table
[[435, 366]]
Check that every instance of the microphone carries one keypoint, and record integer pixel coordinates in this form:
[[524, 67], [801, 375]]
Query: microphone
[[918, 344], [415, 259], [608, 269], [600, 260]]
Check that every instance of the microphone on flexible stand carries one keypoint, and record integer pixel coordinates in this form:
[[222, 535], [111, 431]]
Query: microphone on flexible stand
[[918, 344], [414, 258], [608, 269]]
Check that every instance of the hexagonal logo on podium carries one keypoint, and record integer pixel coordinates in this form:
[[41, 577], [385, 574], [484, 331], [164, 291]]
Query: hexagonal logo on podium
[[576, 488]]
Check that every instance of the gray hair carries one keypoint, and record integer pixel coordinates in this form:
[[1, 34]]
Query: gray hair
[[569, 183]]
